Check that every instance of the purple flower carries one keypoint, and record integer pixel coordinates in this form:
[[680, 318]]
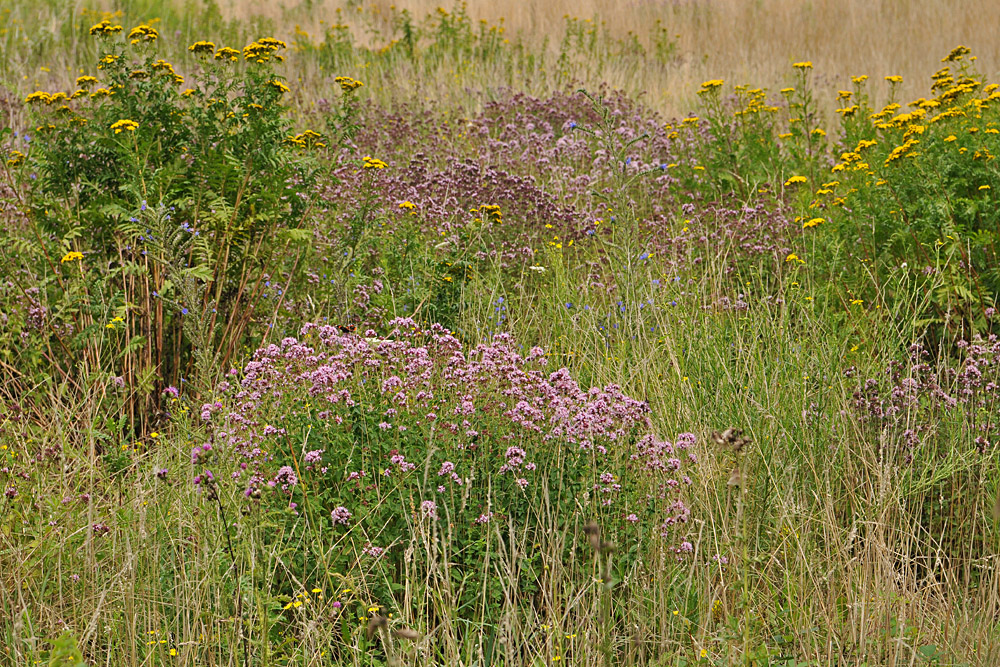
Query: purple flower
[[428, 509], [341, 515]]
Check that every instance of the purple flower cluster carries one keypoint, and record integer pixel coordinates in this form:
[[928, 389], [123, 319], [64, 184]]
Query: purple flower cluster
[[492, 411], [914, 398]]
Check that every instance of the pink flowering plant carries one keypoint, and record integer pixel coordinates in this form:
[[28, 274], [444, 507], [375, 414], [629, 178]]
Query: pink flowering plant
[[375, 444]]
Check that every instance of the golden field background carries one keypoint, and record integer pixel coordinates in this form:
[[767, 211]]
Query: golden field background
[[741, 41]]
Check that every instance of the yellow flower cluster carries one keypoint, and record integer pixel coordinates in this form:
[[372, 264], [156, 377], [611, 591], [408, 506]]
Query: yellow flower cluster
[[142, 33], [347, 84], [306, 139], [16, 159], [303, 598], [373, 163], [108, 59], [492, 213], [795, 179], [226, 53], [105, 29], [264, 49], [710, 85], [279, 86], [124, 125], [905, 150], [71, 256], [85, 81], [202, 48]]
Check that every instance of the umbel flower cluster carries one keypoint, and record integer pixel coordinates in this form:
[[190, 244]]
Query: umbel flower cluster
[[471, 436]]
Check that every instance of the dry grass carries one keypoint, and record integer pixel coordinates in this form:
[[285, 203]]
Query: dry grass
[[740, 41]]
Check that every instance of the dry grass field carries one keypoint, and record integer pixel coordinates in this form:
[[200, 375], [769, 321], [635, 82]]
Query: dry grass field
[[655, 333]]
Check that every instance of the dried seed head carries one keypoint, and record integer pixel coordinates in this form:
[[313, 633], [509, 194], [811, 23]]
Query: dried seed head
[[375, 623], [608, 547], [731, 438], [736, 477], [593, 533], [406, 633]]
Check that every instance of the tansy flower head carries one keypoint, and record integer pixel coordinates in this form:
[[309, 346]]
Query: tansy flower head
[[38, 97], [277, 85], [142, 33], [202, 48], [124, 125], [108, 59], [710, 85], [347, 84], [85, 81], [795, 179], [956, 54], [804, 65], [71, 256], [373, 163], [895, 78], [104, 29], [226, 53]]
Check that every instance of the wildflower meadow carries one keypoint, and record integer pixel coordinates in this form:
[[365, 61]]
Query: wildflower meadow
[[348, 333]]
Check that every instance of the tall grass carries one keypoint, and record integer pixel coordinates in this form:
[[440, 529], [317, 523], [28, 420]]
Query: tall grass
[[276, 491]]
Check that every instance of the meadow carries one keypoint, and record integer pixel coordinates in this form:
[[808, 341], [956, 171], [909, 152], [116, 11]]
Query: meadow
[[512, 334]]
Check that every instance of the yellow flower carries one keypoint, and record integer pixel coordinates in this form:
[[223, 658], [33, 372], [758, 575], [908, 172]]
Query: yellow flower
[[859, 79], [108, 59], [712, 83], [956, 54], [407, 205], [173, 651], [984, 187], [704, 653], [86, 80], [16, 159], [38, 96], [71, 256], [795, 179], [277, 85], [202, 48], [895, 78], [373, 163], [804, 65], [226, 53], [787, 91], [104, 29], [950, 138], [125, 125], [857, 302], [143, 33], [188, 92], [347, 84], [812, 223], [819, 132]]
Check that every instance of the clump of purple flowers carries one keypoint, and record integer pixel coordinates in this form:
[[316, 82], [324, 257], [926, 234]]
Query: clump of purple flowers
[[490, 411]]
